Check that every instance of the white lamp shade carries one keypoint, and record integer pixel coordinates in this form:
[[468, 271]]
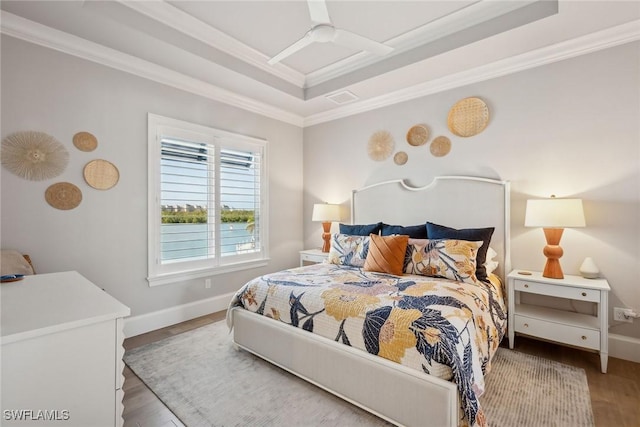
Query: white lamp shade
[[325, 212], [554, 213]]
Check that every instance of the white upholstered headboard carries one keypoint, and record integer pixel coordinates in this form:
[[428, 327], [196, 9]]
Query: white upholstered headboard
[[453, 201]]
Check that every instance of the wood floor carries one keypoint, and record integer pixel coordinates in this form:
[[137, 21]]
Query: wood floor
[[141, 407], [615, 396]]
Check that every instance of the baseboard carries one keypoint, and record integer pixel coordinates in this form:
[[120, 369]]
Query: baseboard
[[147, 322], [623, 347]]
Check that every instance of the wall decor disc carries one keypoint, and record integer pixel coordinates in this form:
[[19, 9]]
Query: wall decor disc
[[400, 158], [34, 155], [101, 174], [440, 146], [468, 117], [381, 145], [63, 195], [418, 135], [85, 141]]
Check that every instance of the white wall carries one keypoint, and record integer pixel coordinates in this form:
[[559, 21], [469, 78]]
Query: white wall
[[105, 238], [569, 128]]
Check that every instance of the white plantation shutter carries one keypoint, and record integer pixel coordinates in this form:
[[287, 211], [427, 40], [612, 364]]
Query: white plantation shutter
[[187, 193], [240, 173], [207, 209]]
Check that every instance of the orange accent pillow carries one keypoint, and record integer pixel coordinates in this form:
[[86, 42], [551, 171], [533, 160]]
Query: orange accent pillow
[[386, 254]]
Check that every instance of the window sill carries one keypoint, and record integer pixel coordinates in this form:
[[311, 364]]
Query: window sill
[[182, 276]]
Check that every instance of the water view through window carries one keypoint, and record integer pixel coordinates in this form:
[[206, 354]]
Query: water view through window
[[191, 198], [192, 240]]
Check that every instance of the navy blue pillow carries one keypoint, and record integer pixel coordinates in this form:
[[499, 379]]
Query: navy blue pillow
[[436, 231], [413, 231], [360, 229]]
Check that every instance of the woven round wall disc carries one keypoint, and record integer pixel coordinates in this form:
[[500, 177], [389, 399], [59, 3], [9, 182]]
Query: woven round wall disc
[[440, 146], [101, 174], [84, 141], [63, 196], [468, 117], [34, 155], [381, 145], [418, 135], [400, 158]]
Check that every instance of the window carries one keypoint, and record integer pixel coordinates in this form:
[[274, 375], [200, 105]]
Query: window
[[207, 209]]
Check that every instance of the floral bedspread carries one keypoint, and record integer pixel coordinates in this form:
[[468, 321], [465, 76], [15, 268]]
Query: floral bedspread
[[444, 328]]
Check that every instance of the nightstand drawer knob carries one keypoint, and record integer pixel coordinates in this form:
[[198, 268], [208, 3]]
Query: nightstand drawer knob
[[584, 337], [526, 286], [584, 294], [526, 325]]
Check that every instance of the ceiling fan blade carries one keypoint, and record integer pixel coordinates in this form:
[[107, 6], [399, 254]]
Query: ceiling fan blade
[[356, 41], [318, 12], [300, 44]]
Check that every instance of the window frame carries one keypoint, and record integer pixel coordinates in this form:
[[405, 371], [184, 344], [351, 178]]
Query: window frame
[[161, 274]]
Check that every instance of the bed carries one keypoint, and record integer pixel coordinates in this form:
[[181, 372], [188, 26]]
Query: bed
[[411, 346]]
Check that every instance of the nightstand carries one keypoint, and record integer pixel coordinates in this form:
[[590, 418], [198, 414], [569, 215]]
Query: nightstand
[[312, 256], [565, 327]]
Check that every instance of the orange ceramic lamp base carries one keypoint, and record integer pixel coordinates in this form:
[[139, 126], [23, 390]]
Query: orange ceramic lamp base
[[553, 252], [326, 236]]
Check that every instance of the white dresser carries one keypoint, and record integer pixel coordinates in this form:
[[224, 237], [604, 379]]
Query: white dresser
[[61, 352]]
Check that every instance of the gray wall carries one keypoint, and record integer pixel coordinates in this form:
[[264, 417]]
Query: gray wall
[[570, 128], [105, 238]]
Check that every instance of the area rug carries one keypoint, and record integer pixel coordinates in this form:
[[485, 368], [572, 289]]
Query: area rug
[[524, 390], [206, 382]]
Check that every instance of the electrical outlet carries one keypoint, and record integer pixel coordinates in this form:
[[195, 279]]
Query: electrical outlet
[[618, 315], [207, 283]]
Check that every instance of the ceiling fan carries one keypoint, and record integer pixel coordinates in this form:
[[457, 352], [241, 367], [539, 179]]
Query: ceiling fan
[[322, 31]]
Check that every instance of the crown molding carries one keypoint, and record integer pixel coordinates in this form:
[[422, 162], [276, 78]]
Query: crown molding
[[611, 37], [33, 32], [181, 21], [24, 29]]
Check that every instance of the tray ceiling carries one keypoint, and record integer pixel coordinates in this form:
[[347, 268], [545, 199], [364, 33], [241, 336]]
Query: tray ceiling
[[225, 45]]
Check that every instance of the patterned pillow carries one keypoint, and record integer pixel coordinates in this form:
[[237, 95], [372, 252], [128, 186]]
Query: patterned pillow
[[386, 254], [348, 250], [436, 231], [451, 259]]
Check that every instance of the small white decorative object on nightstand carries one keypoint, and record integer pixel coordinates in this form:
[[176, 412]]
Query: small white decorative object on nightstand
[[565, 327], [312, 256], [589, 269]]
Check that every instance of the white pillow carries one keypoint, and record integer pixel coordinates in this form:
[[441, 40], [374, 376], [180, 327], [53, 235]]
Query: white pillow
[[490, 262]]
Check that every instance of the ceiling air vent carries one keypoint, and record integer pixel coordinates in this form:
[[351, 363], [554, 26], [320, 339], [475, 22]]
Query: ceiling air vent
[[342, 97]]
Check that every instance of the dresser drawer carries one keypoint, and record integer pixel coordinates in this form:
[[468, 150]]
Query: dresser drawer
[[570, 292], [572, 335]]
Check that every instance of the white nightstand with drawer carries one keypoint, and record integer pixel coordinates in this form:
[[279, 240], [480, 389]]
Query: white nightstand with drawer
[[312, 256], [565, 327]]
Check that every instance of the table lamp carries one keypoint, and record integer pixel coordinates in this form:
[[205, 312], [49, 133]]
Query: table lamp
[[554, 215], [326, 213]]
